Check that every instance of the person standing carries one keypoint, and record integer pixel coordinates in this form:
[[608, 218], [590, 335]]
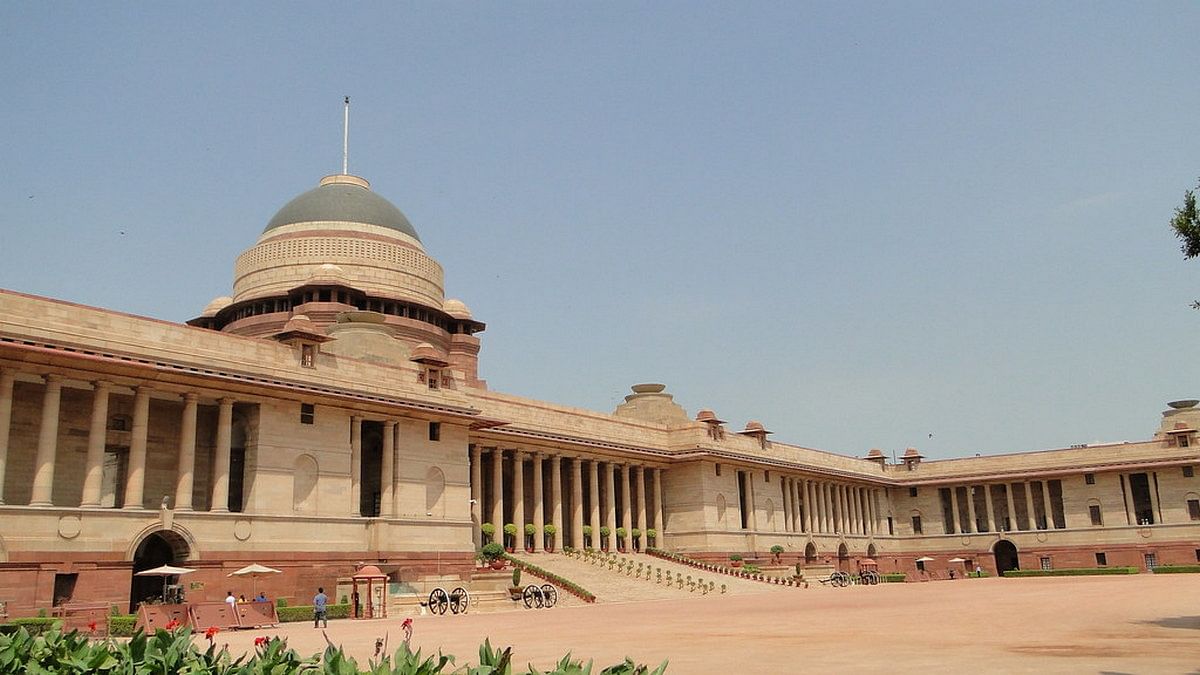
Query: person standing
[[319, 608], [230, 600]]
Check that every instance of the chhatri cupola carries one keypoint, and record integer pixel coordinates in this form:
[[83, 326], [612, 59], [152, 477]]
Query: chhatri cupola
[[341, 248]]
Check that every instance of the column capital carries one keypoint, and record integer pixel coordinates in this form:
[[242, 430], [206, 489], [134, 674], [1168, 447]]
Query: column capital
[[102, 385], [390, 424], [191, 397], [225, 401], [52, 378]]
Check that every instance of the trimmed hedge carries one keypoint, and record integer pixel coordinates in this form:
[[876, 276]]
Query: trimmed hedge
[[893, 577], [570, 586], [305, 613], [35, 625], [1176, 569], [1079, 572], [121, 625]]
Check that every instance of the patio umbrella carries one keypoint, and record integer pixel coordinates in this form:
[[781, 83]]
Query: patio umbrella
[[957, 560], [164, 571], [925, 558], [254, 571]]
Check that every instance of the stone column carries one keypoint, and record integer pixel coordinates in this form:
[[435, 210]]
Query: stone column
[[869, 495], [626, 506], [577, 541], [1047, 506], [785, 495], [659, 523], [7, 377], [498, 493], [639, 480], [518, 509], [856, 509], [822, 507], [1012, 509], [830, 507], [47, 447], [93, 472], [1030, 514], [539, 493], [955, 525], [556, 504], [1152, 483], [807, 506], [476, 495], [186, 477], [610, 500], [594, 491], [356, 469], [220, 473], [972, 514], [387, 471], [1127, 496], [135, 483], [841, 509], [990, 506]]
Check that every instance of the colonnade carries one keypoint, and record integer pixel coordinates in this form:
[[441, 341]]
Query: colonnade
[[993, 515], [824, 507], [46, 458], [592, 481]]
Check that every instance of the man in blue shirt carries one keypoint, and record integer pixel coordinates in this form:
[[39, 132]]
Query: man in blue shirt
[[319, 602]]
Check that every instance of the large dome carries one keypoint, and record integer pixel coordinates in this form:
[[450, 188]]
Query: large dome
[[346, 199]]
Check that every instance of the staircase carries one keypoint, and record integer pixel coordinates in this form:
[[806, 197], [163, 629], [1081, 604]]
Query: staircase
[[619, 585]]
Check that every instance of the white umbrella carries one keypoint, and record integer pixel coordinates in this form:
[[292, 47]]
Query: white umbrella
[[254, 571], [957, 560], [925, 559], [164, 571]]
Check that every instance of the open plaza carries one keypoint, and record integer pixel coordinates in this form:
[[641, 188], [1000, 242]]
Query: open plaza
[[1128, 624]]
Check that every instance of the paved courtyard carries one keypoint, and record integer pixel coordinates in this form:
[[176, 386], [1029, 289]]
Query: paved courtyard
[[1139, 624]]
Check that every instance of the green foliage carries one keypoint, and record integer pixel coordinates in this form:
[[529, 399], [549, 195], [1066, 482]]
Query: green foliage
[[36, 625], [305, 612], [587, 530], [734, 557], [510, 529], [488, 528], [491, 551], [1186, 224], [776, 549], [1082, 572], [122, 625], [621, 532], [605, 531], [637, 532], [562, 582], [751, 569], [516, 577], [652, 533], [799, 569], [1176, 569], [281, 602], [530, 528], [892, 577], [549, 528]]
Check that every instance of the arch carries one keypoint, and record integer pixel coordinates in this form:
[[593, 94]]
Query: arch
[[435, 490], [810, 553], [1006, 556], [872, 551], [305, 472], [180, 538], [843, 556], [721, 507], [160, 547]]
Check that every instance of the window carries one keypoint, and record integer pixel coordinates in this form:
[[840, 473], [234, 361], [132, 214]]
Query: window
[[718, 469], [1094, 512], [1198, 555], [1183, 441], [916, 523], [912, 492], [1189, 471], [767, 478], [1046, 563], [307, 413], [1151, 561], [433, 377], [435, 431], [308, 356], [1089, 478], [1101, 559], [1194, 509]]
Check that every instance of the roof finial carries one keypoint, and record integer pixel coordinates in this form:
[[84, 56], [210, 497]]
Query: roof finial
[[346, 139]]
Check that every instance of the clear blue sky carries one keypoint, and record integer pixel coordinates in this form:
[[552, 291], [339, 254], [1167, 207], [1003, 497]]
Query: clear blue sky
[[858, 223]]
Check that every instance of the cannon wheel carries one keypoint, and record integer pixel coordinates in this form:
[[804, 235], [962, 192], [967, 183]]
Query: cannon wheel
[[550, 594], [459, 600], [532, 597], [840, 579], [438, 601], [871, 577]]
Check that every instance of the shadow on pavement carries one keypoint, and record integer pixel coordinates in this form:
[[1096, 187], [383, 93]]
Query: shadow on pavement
[[1192, 622]]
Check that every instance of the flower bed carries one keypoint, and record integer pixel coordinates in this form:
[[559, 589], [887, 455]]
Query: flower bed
[[566, 584], [1079, 572]]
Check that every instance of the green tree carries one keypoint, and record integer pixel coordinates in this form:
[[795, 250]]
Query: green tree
[[1186, 224]]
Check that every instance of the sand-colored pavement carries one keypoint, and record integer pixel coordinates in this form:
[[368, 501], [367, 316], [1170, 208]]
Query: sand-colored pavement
[[1137, 624]]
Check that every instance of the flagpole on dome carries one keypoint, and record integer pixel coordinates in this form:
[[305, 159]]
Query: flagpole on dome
[[346, 139]]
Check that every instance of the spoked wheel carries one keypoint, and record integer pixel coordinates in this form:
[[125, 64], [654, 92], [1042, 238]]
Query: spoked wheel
[[438, 601], [532, 597], [871, 578], [841, 579], [459, 600], [550, 595]]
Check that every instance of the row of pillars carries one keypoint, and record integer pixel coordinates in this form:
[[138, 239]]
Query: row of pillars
[[972, 525], [823, 507], [135, 479], [600, 476]]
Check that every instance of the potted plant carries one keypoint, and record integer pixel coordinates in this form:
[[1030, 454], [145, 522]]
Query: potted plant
[[550, 530], [510, 538], [735, 560], [776, 553], [530, 530], [514, 591], [652, 537], [637, 537], [604, 532], [488, 530], [493, 554], [587, 537], [621, 532]]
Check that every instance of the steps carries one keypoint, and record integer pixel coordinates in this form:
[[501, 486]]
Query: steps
[[615, 586]]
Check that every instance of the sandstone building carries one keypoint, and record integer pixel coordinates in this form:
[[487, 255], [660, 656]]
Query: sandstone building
[[330, 412]]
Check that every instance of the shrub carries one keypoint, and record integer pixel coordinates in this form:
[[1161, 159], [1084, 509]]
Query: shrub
[[587, 530], [605, 531], [1080, 572], [36, 625], [569, 586], [530, 528], [652, 533], [510, 529], [488, 530], [491, 551], [122, 625], [550, 529], [281, 602], [516, 577], [1176, 569], [734, 557], [305, 613], [637, 532], [891, 577], [776, 549]]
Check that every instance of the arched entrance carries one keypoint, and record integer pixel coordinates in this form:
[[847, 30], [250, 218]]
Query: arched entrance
[[843, 557], [810, 553], [871, 551], [158, 548], [1006, 556]]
